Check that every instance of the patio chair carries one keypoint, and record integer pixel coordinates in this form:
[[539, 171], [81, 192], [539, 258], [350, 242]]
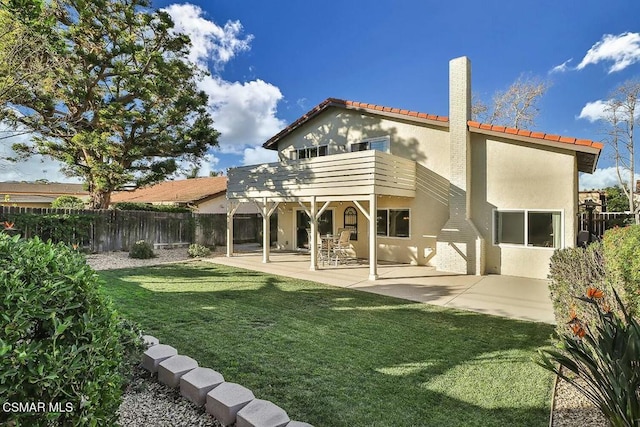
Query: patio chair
[[324, 247], [342, 247]]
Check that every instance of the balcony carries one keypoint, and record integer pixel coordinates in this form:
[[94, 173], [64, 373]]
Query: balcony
[[347, 174]]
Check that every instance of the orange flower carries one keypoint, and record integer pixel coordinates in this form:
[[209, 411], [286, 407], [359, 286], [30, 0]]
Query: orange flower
[[8, 225], [578, 330], [594, 293]]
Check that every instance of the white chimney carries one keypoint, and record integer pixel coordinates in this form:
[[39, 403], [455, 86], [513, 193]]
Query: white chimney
[[460, 247]]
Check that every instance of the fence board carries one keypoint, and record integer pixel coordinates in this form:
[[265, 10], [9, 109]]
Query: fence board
[[114, 230]]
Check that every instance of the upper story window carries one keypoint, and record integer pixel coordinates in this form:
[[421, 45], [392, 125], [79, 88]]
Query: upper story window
[[308, 152], [379, 144]]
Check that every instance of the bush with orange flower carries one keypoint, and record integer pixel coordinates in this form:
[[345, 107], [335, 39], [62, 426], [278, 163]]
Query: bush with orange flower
[[605, 356]]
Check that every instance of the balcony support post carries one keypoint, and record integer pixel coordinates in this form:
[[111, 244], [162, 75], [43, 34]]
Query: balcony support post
[[373, 238], [266, 210], [232, 207], [313, 238]]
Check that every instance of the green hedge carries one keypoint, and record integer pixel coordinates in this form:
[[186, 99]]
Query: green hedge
[[611, 264], [132, 206], [621, 249], [60, 343]]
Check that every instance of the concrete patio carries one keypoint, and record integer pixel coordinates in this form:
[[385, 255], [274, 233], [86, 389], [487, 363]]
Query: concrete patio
[[508, 296]]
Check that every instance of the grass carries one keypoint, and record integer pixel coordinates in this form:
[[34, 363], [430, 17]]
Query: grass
[[337, 357]]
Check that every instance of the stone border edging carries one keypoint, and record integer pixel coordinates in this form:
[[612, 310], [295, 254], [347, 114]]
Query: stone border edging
[[227, 402]]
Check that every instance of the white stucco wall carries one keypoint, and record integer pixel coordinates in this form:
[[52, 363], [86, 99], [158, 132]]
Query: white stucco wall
[[512, 175]]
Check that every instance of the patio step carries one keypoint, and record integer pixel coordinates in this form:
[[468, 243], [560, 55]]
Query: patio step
[[298, 424], [195, 385], [262, 413], [224, 401], [172, 369], [152, 357]]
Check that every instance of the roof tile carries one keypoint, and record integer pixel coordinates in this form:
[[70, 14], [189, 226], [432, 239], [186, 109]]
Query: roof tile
[[182, 191], [472, 124]]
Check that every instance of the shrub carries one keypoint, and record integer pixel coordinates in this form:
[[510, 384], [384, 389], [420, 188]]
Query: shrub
[[68, 202], [132, 347], [605, 357], [133, 206], [621, 249], [141, 250], [196, 250], [60, 342], [571, 272]]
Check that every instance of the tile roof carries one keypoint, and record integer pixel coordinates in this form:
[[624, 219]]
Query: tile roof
[[335, 102], [182, 191], [536, 135], [36, 188], [417, 116]]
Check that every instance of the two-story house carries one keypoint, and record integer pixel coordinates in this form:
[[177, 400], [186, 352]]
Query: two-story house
[[462, 196]]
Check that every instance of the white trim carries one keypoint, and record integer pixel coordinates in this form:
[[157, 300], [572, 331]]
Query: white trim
[[526, 245]]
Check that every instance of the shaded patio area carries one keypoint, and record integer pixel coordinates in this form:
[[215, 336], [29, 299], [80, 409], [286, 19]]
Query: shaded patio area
[[507, 296]]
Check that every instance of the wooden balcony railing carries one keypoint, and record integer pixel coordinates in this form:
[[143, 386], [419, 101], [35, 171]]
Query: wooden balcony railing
[[359, 173]]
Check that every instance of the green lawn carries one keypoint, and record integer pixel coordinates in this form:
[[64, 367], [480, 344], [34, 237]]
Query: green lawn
[[337, 357]]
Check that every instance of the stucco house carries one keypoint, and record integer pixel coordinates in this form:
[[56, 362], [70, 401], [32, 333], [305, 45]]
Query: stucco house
[[462, 196]]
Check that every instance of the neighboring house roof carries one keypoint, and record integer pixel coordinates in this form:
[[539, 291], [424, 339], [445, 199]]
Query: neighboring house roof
[[36, 188], [586, 161], [182, 191]]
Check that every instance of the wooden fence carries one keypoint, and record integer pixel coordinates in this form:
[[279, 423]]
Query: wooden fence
[[602, 221], [114, 230]]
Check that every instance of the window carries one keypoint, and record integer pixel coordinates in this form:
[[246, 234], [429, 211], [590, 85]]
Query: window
[[393, 222], [529, 228], [351, 221], [378, 144], [308, 152]]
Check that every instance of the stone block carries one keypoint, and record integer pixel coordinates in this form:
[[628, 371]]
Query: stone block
[[150, 340], [172, 369], [152, 357], [195, 385], [262, 413], [298, 424], [224, 401]]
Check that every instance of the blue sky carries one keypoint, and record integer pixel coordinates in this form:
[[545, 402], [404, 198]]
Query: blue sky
[[270, 62]]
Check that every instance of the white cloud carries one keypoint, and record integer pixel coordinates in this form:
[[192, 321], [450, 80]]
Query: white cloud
[[209, 41], [259, 155], [562, 67], [594, 111], [36, 167], [623, 50], [601, 178], [244, 113]]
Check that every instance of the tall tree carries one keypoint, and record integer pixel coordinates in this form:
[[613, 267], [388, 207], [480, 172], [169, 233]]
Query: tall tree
[[125, 108], [515, 107], [621, 114], [27, 45]]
